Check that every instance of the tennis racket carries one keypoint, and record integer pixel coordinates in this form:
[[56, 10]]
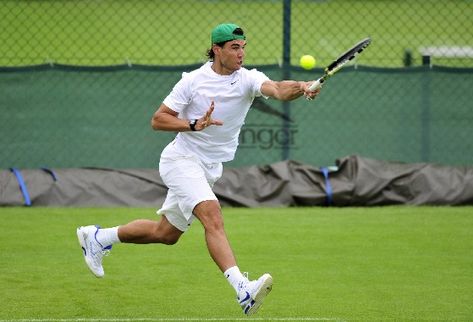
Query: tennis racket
[[339, 62]]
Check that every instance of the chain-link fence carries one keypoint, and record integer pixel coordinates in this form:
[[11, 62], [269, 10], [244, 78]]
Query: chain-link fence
[[81, 79]]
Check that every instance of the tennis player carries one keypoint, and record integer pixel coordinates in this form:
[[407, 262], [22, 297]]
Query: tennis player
[[207, 108]]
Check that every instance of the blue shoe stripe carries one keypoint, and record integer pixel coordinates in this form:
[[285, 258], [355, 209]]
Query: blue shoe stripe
[[249, 306], [247, 297], [95, 236]]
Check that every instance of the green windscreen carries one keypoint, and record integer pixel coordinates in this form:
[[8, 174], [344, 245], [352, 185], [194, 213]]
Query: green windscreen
[[77, 117]]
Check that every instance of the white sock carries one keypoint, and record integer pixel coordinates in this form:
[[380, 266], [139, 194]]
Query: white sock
[[234, 277], [108, 236]]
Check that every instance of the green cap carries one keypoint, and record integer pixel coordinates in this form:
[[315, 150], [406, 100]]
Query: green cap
[[225, 32]]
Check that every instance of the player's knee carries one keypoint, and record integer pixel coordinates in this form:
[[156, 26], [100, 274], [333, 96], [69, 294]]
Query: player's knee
[[166, 239], [215, 225], [166, 236], [213, 221], [169, 240], [210, 215]]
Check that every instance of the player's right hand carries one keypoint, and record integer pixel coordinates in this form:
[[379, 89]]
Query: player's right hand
[[207, 119]]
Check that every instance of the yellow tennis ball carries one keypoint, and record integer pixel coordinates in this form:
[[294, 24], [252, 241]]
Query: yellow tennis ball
[[307, 62]]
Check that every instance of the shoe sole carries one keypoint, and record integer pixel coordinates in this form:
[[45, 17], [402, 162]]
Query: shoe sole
[[261, 293], [82, 241]]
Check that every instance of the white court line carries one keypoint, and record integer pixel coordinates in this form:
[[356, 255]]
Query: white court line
[[171, 319]]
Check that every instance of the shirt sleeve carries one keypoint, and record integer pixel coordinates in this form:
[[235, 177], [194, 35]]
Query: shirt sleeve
[[180, 95], [258, 79]]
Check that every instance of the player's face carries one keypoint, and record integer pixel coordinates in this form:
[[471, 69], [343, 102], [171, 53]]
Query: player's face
[[232, 54]]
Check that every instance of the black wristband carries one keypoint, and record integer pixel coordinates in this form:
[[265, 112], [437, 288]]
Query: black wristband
[[192, 124]]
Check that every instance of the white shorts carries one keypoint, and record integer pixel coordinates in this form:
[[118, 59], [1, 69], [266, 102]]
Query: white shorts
[[189, 181]]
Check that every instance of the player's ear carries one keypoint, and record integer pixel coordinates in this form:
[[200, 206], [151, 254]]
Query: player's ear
[[216, 48]]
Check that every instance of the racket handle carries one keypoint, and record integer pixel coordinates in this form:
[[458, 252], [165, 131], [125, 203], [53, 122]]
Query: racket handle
[[317, 84]]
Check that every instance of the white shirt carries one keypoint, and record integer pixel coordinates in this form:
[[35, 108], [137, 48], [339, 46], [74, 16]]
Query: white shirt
[[233, 95]]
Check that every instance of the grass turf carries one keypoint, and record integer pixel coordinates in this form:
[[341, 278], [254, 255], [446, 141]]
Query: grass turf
[[346, 264]]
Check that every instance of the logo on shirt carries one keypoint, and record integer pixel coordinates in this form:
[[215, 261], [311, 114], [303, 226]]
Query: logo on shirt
[[233, 83]]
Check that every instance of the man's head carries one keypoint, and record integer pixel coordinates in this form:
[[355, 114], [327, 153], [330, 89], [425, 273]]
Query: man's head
[[227, 51], [223, 33]]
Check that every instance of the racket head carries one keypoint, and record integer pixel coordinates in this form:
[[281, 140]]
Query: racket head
[[347, 56], [337, 64]]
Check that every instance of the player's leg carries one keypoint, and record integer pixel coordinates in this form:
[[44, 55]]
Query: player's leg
[[190, 186], [190, 196], [97, 242], [210, 215], [250, 294], [144, 231]]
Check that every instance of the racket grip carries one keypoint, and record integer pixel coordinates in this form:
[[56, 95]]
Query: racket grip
[[317, 84]]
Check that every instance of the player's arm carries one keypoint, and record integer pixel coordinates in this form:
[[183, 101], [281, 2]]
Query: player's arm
[[166, 119], [287, 90]]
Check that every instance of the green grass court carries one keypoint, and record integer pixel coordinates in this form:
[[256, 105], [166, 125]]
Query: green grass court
[[335, 264]]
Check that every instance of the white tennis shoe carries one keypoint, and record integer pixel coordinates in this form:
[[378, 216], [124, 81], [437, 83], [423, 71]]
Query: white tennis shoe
[[252, 293], [93, 250]]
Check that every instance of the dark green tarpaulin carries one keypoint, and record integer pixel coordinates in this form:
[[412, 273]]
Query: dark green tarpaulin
[[356, 181]]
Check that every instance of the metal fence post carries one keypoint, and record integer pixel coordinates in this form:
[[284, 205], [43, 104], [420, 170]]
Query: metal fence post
[[286, 66]]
